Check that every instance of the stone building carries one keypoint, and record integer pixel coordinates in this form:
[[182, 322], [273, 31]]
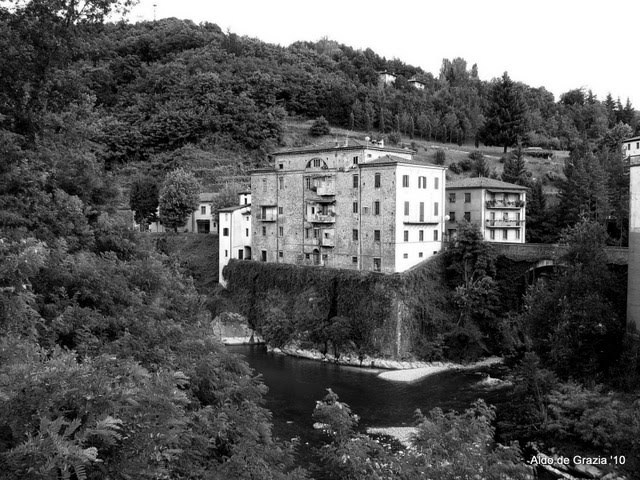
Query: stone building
[[633, 279], [235, 233], [497, 207], [631, 147], [201, 220], [358, 205]]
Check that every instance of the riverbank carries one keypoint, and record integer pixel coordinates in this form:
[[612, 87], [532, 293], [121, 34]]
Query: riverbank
[[397, 370]]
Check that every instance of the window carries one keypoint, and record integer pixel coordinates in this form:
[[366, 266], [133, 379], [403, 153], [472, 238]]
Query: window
[[518, 234], [406, 208], [435, 235], [405, 180], [280, 210], [316, 232], [422, 211], [406, 235], [355, 160], [376, 180], [376, 235], [240, 254], [377, 264], [226, 253], [246, 232], [420, 254], [421, 235], [492, 234], [452, 198], [354, 260], [436, 183], [435, 209], [355, 234], [365, 210], [280, 231], [422, 182], [280, 254], [325, 257], [355, 207], [263, 255], [376, 207], [264, 231], [264, 184], [317, 162], [467, 216], [281, 183], [280, 166], [307, 233], [452, 216], [355, 181], [203, 210], [405, 255], [467, 198], [307, 256], [225, 232], [307, 183], [505, 233]]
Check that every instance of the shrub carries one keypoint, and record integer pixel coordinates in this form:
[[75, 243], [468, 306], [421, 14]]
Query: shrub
[[394, 138], [455, 168], [439, 157], [465, 164], [320, 127]]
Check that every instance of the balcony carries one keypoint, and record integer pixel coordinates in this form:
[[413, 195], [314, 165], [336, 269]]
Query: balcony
[[322, 218], [324, 190], [327, 242], [505, 203], [267, 217], [504, 223], [425, 220]]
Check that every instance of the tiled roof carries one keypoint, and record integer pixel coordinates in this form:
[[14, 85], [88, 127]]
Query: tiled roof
[[341, 144], [632, 139], [234, 208], [393, 160], [207, 196], [483, 182]]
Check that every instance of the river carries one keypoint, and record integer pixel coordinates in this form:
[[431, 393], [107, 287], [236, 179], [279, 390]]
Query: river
[[295, 384]]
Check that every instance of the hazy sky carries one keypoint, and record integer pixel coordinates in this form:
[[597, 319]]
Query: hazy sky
[[558, 44]]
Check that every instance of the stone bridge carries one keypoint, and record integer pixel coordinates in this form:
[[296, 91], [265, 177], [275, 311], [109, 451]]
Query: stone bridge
[[543, 253]]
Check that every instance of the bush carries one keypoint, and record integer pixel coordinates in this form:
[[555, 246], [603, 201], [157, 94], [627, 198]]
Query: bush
[[455, 168], [320, 127], [439, 157], [465, 164], [394, 138]]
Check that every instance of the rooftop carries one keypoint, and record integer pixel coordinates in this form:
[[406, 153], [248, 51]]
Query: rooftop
[[483, 182], [632, 139], [234, 208], [343, 144], [393, 160]]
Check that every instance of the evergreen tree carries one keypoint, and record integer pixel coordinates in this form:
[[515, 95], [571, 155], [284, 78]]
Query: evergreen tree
[[143, 200], [178, 198], [515, 168], [505, 114]]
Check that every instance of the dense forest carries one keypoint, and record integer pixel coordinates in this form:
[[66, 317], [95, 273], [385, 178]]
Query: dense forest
[[107, 365]]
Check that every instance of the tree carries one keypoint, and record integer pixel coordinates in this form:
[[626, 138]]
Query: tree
[[515, 168], [178, 198], [320, 127], [506, 114], [143, 200]]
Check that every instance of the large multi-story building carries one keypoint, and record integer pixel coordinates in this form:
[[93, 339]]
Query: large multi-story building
[[497, 207], [633, 279], [235, 233], [358, 205]]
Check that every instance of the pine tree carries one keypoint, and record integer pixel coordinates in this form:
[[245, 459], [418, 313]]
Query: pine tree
[[506, 114], [515, 168]]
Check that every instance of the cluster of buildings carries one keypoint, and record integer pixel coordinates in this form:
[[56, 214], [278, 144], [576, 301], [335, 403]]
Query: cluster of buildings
[[363, 206]]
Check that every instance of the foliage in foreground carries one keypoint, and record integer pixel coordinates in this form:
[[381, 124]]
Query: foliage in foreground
[[446, 446]]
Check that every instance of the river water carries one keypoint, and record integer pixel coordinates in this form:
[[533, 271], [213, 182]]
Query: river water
[[295, 384]]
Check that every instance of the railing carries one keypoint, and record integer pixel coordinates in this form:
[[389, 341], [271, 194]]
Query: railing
[[504, 223], [322, 218], [505, 204], [326, 190], [266, 217], [327, 242]]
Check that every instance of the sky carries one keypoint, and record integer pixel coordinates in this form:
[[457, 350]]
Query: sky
[[557, 44]]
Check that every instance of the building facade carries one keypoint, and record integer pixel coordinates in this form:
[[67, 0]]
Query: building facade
[[201, 220], [498, 208], [235, 233], [360, 206], [633, 278], [631, 147]]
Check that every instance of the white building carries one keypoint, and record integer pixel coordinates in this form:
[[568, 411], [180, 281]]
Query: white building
[[498, 208], [631, 147], [235, 233], [633, 278]]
